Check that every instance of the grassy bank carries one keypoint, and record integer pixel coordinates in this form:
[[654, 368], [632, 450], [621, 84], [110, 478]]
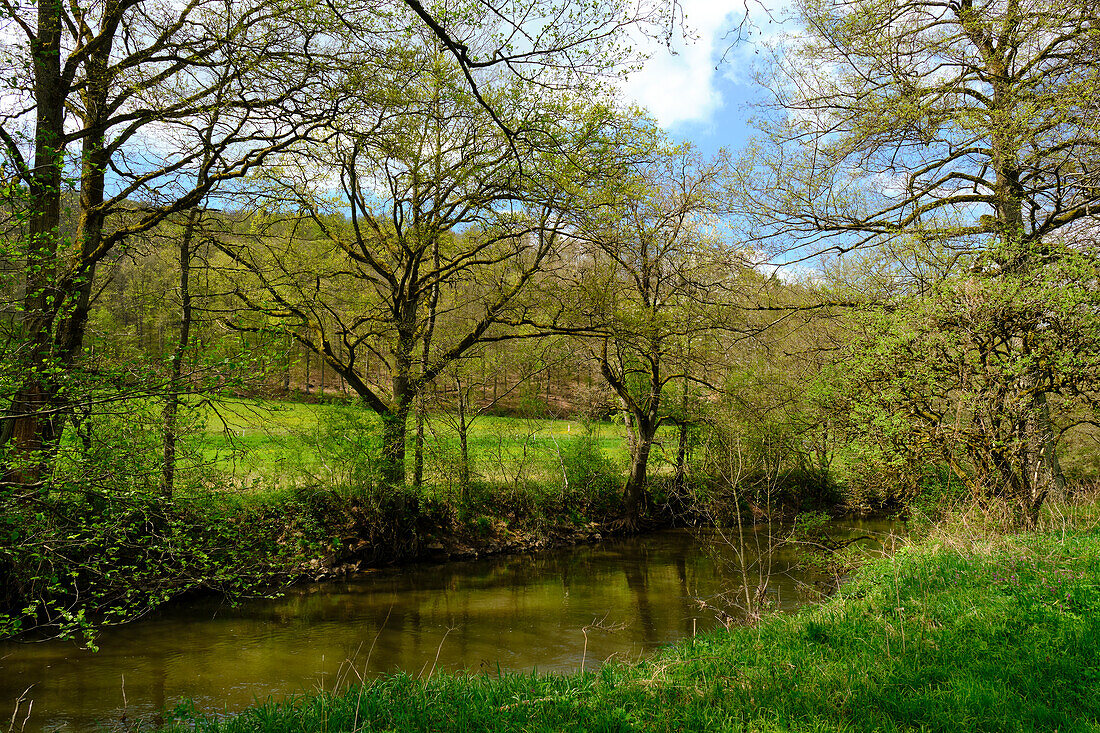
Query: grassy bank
[[995, 634]]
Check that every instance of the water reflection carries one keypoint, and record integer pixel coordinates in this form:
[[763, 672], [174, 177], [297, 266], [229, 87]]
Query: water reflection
[[515, 613]]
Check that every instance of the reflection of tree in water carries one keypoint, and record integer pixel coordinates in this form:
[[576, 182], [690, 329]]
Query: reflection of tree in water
[[636, 570], [688, 607]]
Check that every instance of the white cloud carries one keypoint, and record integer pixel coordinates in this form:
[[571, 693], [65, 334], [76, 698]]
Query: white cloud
[[681, 88]]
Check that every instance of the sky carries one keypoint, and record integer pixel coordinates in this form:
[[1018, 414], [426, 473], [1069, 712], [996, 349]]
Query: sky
[[704, 92]]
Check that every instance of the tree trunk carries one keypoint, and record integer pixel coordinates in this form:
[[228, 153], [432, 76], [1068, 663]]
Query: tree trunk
[[393, 448], [171, 404], [636, 491], [28, 426], [635, 495]]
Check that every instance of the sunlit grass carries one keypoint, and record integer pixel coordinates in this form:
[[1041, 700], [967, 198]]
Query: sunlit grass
[[269, 444]]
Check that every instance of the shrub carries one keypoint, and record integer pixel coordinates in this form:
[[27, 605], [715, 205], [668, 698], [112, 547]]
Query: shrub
[[591, 482]]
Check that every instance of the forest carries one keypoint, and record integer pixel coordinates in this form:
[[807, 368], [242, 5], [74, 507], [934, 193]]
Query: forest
[[294, 289]]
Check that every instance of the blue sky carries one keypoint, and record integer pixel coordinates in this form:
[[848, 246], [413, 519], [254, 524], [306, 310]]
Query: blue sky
[[703, 92]]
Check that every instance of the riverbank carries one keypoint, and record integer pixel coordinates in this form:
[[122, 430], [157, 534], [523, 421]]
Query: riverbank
[[997, 633], [89, 565], [277, 494]]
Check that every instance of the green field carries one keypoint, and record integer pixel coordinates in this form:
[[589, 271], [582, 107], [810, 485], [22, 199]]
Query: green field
[[279, 444]]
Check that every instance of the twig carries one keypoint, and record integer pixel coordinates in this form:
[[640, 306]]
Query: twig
[[600, 625], [18, 702], [438, 650]]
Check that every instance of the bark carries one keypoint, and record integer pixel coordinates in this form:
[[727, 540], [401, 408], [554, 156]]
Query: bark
[[635, 493], [171, 403]]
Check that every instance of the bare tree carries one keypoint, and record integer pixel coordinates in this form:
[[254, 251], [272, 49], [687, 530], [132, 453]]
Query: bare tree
[[446, 225]]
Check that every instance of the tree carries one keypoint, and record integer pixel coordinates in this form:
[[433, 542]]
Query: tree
[[450, 218], [959, 139], [651, 290], [138, 112], [132, 112]]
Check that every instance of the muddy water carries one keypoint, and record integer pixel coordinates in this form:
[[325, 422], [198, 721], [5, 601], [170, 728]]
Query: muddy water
[[553, 611]]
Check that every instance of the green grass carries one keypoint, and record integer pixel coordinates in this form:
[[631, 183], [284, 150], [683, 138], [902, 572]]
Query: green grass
[[999, 634], [276, 444]]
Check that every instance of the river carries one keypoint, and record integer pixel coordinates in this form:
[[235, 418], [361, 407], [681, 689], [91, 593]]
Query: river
[[551, 611]]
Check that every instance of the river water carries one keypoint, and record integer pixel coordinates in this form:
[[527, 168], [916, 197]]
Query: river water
[[552, 611]]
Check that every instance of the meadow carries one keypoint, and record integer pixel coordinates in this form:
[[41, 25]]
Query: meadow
[[269, 445]]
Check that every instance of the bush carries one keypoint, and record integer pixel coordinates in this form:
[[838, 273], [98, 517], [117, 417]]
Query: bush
[[101, 543], [82, 563], [592, 484]]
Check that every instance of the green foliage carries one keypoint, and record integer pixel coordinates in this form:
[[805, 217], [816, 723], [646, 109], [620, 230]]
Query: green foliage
[[346, 446], [809, 525], [592, 483], [968, 371], [86, 562]]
